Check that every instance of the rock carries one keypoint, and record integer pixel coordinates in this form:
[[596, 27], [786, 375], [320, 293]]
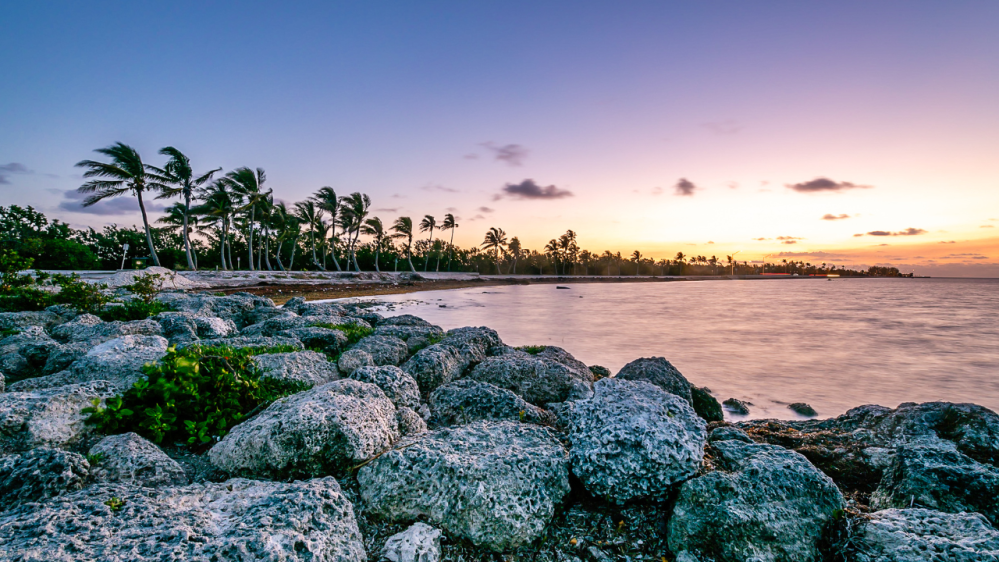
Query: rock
[[165, 279], [761, 503], [473, 343], [539, 381], [705, 405], [211, 327], [256, 341], [321, 431], [736, 406], [406, 320], [435, 365], [599, 372], [384, 350], [178, 326], [559, 355], [493, 483], [354, 359], [130, 459], [39, 474], [321, 309], [419, 543], [398, 386], [63, 355], [330, 341], [634, 440], [21, 320], [915, 535], [727, 433], [293, 303], [89, 328], [24, 354], [409, 331], [410, 423], [236, 520], [48, 418], [66, 311], [660, 372], [935, 475], [306, 367], [3, 382], [118, 361], [802, 409], [467, 400], [240, 308]]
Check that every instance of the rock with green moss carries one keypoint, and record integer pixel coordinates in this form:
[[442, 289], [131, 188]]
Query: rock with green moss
[[705, 405]]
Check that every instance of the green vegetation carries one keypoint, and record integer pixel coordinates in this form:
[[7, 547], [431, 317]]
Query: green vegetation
[[94, 459], [115, 503], [533, 349], [194, 395], [8, 332], [354, 332]]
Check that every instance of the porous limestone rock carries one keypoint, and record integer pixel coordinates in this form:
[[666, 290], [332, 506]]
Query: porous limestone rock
[[238, 520], [253, 341], [467, 400], [130, 459], [493, 483], [211, 327], [178, 326], [48, 418], [241, 308], [917, 535], [762, 502], [410, 423], [62, 356], [327, 339], [559, 355], [398, 386], [634, 440], [306, 367], [25, 353], [354, 359], [384, 350], [89, 328], [21, 320], [435, 365], [539, 381], [317, 432], [118, 361], [419, 543], [39, 474], [473, 343], [660, 372]]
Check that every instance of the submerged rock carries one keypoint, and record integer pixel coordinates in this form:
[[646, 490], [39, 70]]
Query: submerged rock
[[48, 418], [130, 459], [658, 371], [736, 406], [235, 520], [306, 367], [802, 409], [634, 440], [916, 535], [493, 483], [705, 405], [40, 474]]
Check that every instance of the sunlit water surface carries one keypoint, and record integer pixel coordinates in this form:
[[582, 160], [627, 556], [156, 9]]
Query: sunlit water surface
[[833, 344]]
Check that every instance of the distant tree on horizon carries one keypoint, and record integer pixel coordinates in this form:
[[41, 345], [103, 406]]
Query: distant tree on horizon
[[429, 223], [403, 228], [450, 224], [496, 240]]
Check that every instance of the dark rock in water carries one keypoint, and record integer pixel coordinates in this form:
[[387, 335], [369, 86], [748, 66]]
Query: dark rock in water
[[493, 483], [235, 520], [802, 409], [599, 372], [917, 535], [467, 400], [762, 503], [736, 406], [660, 372], [560, 287], [705, 405], [40, 474], [935, 475], [130, 459]]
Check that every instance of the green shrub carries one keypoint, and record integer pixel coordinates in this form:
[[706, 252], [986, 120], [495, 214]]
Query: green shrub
[[145, 287], [133, 310], [353, 332], [8, 332], [533, 349], [194, 395], [75, 292]]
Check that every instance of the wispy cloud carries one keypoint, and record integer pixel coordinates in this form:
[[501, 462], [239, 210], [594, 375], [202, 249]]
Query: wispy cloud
[[486, 210], [819, 185], [907, 232], [528, 189], [6, 170], [726, 127], [832, 217], [684, 187], [987, 226], [657, 190], [438, 187], [761, 239], [73, 203], [512, 154], [387, 210], [789, 239], [948, 242]]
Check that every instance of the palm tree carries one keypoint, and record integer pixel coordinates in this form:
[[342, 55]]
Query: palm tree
[[495, 240], [177, 177], [286, 226], [311, 215], [374, 227], [125, 173], [515, 251], [403, 228], [249, 185], [449, 224], [352, 216], [429, 223], [218, 206], [636, 257], [327, 200], [177, 222], [551, 248]]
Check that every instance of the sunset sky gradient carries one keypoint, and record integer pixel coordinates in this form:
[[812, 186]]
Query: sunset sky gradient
[[855, 133]]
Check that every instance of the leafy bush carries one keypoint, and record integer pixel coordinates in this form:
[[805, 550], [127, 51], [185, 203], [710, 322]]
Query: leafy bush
[[533, 349], [194, 395], [83, 296], [133, 310], [353, 332], [145, 287]]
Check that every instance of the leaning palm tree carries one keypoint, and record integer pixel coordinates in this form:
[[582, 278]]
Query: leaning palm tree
[[551, 248], [515, 251], [312, 216], [250, 185], [352, 217], [178, 178], [327, 200], [429, 223], [177, 222], [218, 207], [636, 257], [495, 240], [374, 227], [124, 174], [403, 228], [449, 224], [285, 226]]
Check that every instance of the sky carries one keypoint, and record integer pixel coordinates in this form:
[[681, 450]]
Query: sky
[[855, 132]]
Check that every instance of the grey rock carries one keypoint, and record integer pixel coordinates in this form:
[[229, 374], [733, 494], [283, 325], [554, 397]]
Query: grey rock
[[398, 386], [66, 311], [467, 400], [419, 543], [40, 474], [493, 483], [384, 350], [736, 406], [539, 381], [727, 433], [255, 341], [321, 309], [239, 520], [178, 326], [935, 475], [16, 365], [474, 343], [559, 355], [118, 361], [241, 308], [435, 365], [91, 329], [63, 355], [599, 372], [329, 340], [211, 327], [410, 423], [762, 503], [3, 382], [321, 431], [25, 353], [48, 418], [917, 535], [20, 320], [414, 336], [802, 409], [634, 440], [406, 320], [705, 405], [306, 367], [354, 359], [130, 459], [660, 372]]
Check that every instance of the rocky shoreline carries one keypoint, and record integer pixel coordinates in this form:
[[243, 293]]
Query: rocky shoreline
[[416, 444]]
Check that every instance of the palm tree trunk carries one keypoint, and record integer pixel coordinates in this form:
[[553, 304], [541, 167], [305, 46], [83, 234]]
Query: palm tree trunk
[[291, 261], [378, 251], [249, 238], [149, 235], [277, 255], [336, 262], [353, 254], [409, 256], [222, 247], [427, 261], [312, 240], [267, 248], [187, 239], [450, 251]]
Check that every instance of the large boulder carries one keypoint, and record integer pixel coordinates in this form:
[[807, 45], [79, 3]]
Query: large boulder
[[322, 431], [935, 475], [384, 350], [40, 474], [21, 320], [634, 440], [493, 483], [539, 381], [416, 332], [559, 355], [211, 327], [398, 386], [118, 361], [130, 459], [474, 343], [435, 365], [238, 520], [88, 328], [917, 535], [178, 326], [306, 367], [327, 339], [253, 341], [419, 543], [467, 400], [762, 502], [660, 372], [241, 308], [25, 353], [302, 308], [352, 360], [48, 418]]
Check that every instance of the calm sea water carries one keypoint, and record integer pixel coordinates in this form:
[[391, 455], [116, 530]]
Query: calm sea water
[[833, 344]]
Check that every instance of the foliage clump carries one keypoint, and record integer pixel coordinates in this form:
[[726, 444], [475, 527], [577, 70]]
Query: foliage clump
[[144, 304], [354, 332], [533, 349], [194, 395]]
